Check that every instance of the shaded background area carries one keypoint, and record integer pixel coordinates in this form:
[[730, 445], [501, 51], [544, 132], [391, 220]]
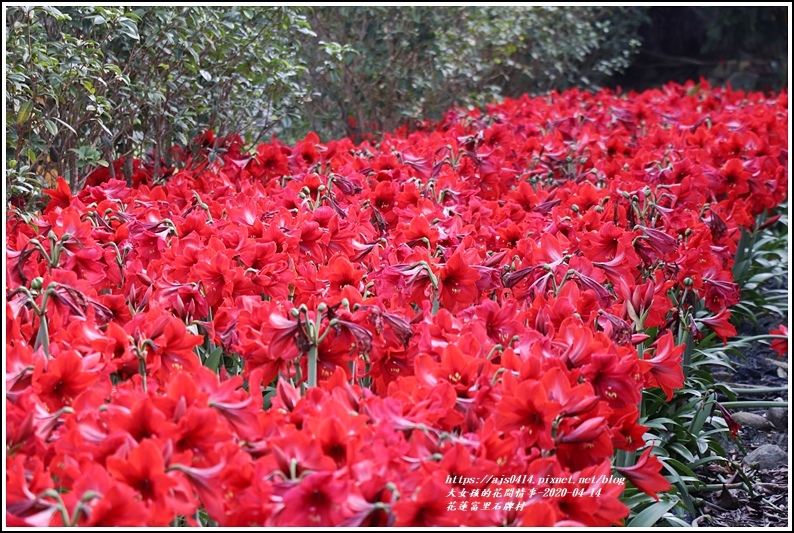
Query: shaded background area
[[744, 46]]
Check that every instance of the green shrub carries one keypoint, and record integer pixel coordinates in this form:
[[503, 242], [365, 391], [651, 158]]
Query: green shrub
[[86, 85], [378, 67]]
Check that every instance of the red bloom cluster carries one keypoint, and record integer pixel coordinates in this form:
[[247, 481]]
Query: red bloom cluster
[[484, 298]]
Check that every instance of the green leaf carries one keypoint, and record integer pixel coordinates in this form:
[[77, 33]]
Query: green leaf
[[206, 75], [65, 124], [127, 27], [24, 112], [649, 516], [51, 127], [676, 467], [214, 359], [682, 451]]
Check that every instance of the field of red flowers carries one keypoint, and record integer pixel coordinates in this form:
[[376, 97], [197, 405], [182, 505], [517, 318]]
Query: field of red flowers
[[332, 334]]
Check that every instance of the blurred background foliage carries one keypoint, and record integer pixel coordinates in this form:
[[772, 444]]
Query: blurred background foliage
[[87, 85], [399, 65]]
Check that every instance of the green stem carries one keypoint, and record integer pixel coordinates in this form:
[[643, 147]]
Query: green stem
[[714, 487], [753, 405], [758, 390], [298, 376], [497, 347], [331, 325], [43, 336], [312, 381], [759, 338], [142, 371]]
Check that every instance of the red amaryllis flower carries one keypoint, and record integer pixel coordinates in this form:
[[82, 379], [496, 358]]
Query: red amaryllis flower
[[603, 244], [269, 162], [721, 291], [115, 504], [317, 500], [499, 321], [659, 241], [779, 345], [205, 482], [144, 471], [420, 233], [141, 422], [735, 177], [88, 264], [63, 380], [665, 368], [575, 400], [426, 506], [412, 279], [645, 475], [60, 196], [458, 369], [458, 283], [612, 378], [340, 273], [284, 335], [720, 324], [174, 346], [641, 305], [527, 409], [185, 300], [733, 425]]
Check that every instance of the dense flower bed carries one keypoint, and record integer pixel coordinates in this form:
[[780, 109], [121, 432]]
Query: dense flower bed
[[337, 334]]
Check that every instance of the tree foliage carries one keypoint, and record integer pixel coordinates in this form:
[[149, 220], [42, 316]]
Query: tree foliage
[[380, 66], [86, 85], [89, 85]]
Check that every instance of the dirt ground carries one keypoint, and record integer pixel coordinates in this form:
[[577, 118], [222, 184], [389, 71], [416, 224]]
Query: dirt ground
[[768, 505]]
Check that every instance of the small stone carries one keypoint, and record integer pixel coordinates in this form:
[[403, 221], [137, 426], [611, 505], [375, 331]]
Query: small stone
[[751, 420], [767, 457], [778, 416]]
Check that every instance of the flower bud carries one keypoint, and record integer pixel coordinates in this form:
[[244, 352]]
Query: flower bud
[[36, 283]]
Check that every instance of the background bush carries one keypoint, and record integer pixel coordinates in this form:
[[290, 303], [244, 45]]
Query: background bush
[[393, 65], [88, 85]]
